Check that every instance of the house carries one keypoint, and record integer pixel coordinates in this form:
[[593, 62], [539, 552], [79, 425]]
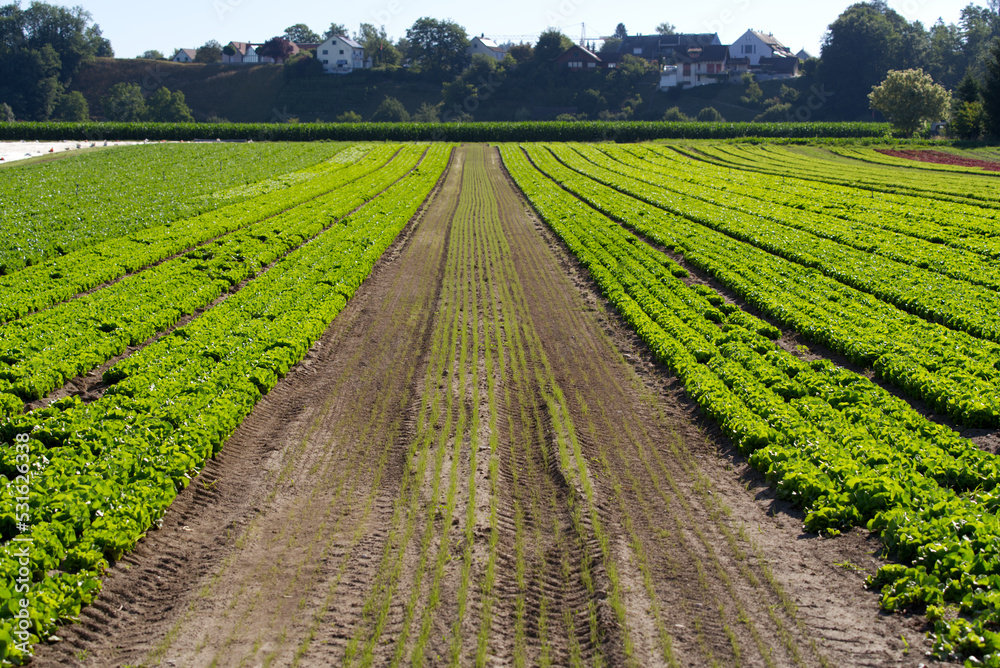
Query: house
[[342, 55], [697, 66], [184, 56], [243, 53], [756, 45], [487, 46], [803, 55], [663, 47], [777, 68], [578, 58]]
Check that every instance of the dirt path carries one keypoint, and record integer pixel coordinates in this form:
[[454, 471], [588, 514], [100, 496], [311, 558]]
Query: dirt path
[[479, 465]]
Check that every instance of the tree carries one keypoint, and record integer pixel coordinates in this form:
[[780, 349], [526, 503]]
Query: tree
[[390, 110], [377, 46], [674, 115], [666, 29], [209, 52], [610, 46], [335, 30], [276, 48], [620, 31], [551, 44], [968, 120], [776, 113], [124, 102], [166, 107], [991, 90], [152, 54], [910, 98], [437, 46], [6, 113], [521, 53], [301, 34], [710, 115], [349, 117], [72, 107], [968, 89], [427, 113]]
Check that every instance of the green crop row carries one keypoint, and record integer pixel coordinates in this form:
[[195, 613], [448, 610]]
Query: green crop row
[[627, 131], [55, 207], [55, 280], [831, 441], [101, 474], [43, 351]]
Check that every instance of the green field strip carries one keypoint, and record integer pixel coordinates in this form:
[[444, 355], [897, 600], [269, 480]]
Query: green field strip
[[959, 226], [873, 156], [953, 371], [829, 440], [936, 249], [54, 208], [779, 161], [111, 468], [45, 350], [61, 278], [956, 304]]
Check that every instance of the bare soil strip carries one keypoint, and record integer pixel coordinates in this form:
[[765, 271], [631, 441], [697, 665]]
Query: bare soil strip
[[480, 465]]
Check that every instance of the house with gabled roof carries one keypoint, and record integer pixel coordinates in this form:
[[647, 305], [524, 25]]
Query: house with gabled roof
[[701, 65], [578, 58], [240, 53], [342, 55], [663, 47], [486, 46], [184, 56], [756, 45]]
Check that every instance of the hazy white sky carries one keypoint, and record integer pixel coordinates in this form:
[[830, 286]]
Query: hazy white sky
[[134, 27]]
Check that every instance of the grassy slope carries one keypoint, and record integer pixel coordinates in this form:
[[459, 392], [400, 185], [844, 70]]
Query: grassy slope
[[262, 93]]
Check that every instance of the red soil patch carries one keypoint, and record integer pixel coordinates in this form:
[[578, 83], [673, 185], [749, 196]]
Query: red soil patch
[[941, 158]]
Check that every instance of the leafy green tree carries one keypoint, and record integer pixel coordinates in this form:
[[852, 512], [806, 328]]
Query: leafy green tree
[[909, 99], [666, 29], [968, 89], [753, 95], [209, 52], [124, 102], [153, 54], [968, 120], [674, 114], [946, 60], [437, 46], [991, 90], [335, 30], [166, 107], [551, 44], [6, 113], [377, 46], [620, 31], [428, 113], [591, 102], [72, 107], [349, 117], [610, 46], [521, 53], [776, 113], [390, 110], [710, 115], [300, 33]]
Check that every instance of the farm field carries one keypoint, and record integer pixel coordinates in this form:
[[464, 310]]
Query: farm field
[[530, 404]]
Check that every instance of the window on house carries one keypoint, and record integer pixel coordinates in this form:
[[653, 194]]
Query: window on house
[[591, 64], [636, 52], [326, 51], [341, 52], [687, 69]]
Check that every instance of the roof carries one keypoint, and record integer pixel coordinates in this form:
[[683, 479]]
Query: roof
[[576, 47], [770, 40], [803, 55], [711, 52], [191, 53], [241, 47], [651, 47], [780, 65], [488, 43]]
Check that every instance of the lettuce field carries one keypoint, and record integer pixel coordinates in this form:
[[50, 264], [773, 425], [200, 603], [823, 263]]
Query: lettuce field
[[686, 403]]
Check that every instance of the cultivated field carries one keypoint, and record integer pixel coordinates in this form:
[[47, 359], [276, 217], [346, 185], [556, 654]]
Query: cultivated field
[[525, 404]]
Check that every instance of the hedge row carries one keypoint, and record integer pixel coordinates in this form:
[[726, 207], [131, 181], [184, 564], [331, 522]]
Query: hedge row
[[452, 132]]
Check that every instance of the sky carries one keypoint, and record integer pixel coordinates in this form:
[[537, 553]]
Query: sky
[[133, 27]]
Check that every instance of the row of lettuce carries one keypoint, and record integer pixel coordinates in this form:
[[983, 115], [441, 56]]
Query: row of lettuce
[[626, 131], [43, 351], [56, 207], [847, 451], [99, 475]]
